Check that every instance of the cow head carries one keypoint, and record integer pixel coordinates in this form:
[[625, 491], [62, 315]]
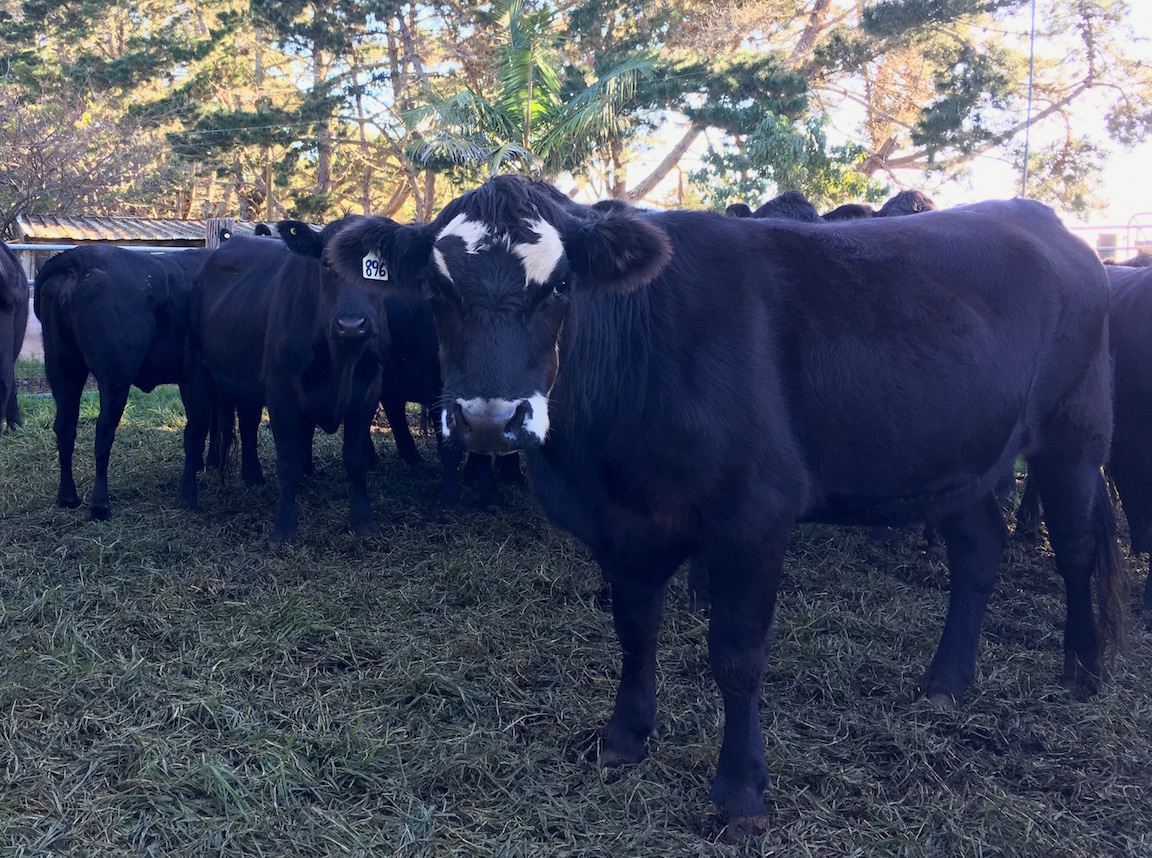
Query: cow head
[[351, 317], [502, 266]]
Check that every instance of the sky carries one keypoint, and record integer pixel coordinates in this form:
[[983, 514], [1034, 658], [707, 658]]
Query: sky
[[1127, 180]]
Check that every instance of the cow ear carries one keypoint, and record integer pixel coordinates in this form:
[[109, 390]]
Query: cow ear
[[300, 238], [616, 249], [378, 248]]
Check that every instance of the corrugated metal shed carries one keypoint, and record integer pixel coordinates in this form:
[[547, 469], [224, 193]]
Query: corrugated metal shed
[[50, 229]]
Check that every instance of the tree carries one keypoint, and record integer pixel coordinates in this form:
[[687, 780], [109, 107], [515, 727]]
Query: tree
[[535, 116]]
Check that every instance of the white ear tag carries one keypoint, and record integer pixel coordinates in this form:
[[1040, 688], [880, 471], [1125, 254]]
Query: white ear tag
[[374, 267]]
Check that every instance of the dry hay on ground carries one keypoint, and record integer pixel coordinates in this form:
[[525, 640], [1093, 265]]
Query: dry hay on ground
[[169, 687]]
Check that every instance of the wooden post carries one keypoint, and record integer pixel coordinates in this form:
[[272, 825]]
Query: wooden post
[[214, 227]]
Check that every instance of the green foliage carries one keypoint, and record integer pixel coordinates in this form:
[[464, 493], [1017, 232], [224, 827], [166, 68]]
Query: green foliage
[[973, 87], [532, 120], [898, 18], [782, 155]]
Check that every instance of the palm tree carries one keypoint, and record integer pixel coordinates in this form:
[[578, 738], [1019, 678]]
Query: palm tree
[[527, 123]]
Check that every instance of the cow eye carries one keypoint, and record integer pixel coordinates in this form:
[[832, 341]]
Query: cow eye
[[561, 286]]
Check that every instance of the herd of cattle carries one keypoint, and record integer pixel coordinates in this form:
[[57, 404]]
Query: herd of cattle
[[682, 385]]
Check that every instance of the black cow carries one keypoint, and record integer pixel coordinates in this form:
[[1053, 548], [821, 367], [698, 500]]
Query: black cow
[[13, 322], [272, 327], [1142, 259], [1130, 462], [848, 211], [691, 385], [412, 374], [790, 205], [906, 203], [121, 316]]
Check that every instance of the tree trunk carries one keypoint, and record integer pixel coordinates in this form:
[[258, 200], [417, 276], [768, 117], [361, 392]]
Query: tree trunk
[[665, 167]]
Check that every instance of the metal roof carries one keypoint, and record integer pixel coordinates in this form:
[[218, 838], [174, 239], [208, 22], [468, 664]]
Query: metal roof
[[51, 228]]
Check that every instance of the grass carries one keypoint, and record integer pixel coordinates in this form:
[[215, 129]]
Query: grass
[[168, 686]]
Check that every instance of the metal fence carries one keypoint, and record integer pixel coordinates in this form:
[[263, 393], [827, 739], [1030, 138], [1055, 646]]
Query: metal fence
[[1120, 241]]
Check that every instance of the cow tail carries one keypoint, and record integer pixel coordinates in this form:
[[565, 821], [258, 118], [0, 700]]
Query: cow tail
[[1111, 583], [61, 271]]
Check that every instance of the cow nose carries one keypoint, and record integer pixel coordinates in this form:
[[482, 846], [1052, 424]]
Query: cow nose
[[350, 326], [490, 426]]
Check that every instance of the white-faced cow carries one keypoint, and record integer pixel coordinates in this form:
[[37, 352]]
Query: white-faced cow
[[13, 322], [690, 385], [121, 316], [272, 327]]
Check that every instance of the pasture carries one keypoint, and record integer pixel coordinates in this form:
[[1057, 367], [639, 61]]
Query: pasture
[[169, 686]]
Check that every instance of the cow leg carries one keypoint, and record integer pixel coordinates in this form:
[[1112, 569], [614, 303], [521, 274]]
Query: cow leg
[[249, 417], [478, 471], [113, 399], [508, 469], [7, 376], [975, 538], [397, 416], [20, 325], [450, 458], [699, 598], [1028, 512], [1081, 527], [357, 443], [744, 580], [197, 398], [293, 438], [67, 374], [637, 608]]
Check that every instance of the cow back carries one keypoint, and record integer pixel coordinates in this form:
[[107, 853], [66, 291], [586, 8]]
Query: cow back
[[234, 294], [895, 365]]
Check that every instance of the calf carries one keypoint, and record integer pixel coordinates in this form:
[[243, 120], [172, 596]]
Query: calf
[[121, 316], [272, 327], [688, 385], [13, 322]]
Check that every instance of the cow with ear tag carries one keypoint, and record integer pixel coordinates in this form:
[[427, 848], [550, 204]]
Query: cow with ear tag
[[274, 327], [689, 386]]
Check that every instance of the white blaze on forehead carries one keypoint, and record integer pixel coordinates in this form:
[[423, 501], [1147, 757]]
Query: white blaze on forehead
[[540, 257], [472, 232]]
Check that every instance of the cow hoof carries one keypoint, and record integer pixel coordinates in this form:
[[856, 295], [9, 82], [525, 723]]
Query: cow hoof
[[365, 529], [1081, 683], [740, 828], [251, 480], [741, 803], [67, 502], [494, 508], [101, 513], [613, 747], [447, 516], [941, 701]]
